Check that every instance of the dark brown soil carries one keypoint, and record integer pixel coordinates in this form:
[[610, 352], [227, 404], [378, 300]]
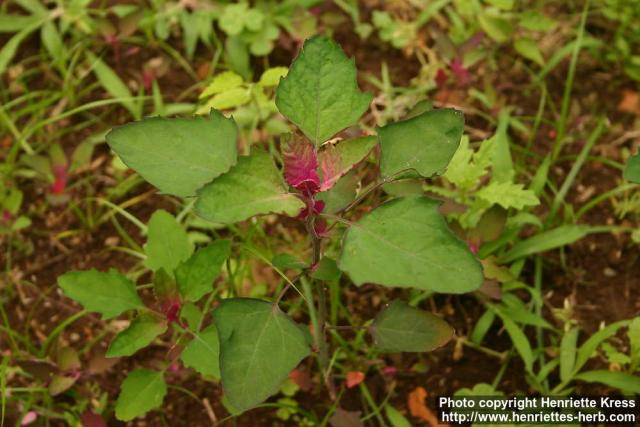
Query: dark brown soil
[[599, 275]]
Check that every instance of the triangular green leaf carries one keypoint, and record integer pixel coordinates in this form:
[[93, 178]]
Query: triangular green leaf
[[195, 276], [406, 243], [423, 144], [167, 242], [109, 294], [142, 391], [259, 346], [142, 330], [400, 327], [177, 155], [253, 187], [320, 93], [203, 353]]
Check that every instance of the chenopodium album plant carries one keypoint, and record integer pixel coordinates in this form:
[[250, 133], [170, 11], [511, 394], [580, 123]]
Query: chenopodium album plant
[[251, 344]]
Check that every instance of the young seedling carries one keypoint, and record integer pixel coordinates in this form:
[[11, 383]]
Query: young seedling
[[251, 344]]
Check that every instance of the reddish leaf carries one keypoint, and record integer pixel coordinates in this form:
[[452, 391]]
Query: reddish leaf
[[461, 73], [337, 160], [354, 378], [630, 102], [491, 288], [166, 292], [415, 402], [330, 167], [301, 378], [99, 364], [171, 310], [300, 166], [60, 183], [91, 419], [390, 370], [473, 42], [147, 79], [419, 409], [28, 418]]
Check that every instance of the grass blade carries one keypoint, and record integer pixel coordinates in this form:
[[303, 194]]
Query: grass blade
[[551, 239], [619, 380], [11, 47], [112, 83], [587, 349], [568, 353], [577, 165], [568, 86]]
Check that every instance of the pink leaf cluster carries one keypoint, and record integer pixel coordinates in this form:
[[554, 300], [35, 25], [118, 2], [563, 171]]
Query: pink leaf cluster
[[311, 172], [314, 207], [60, 183], [301, 166], [302, 163]]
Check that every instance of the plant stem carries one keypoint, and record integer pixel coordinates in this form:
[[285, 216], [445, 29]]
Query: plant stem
[[315, 240], [321, 339], [319, 330], [485, 350]]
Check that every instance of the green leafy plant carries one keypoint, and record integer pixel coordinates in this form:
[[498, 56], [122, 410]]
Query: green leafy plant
[[621, 16], [10, 203], [250, 344], [52, 24], [401, 33], [489, 209], [499, 20], [56, 169], [254, 28], [253, 104]]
